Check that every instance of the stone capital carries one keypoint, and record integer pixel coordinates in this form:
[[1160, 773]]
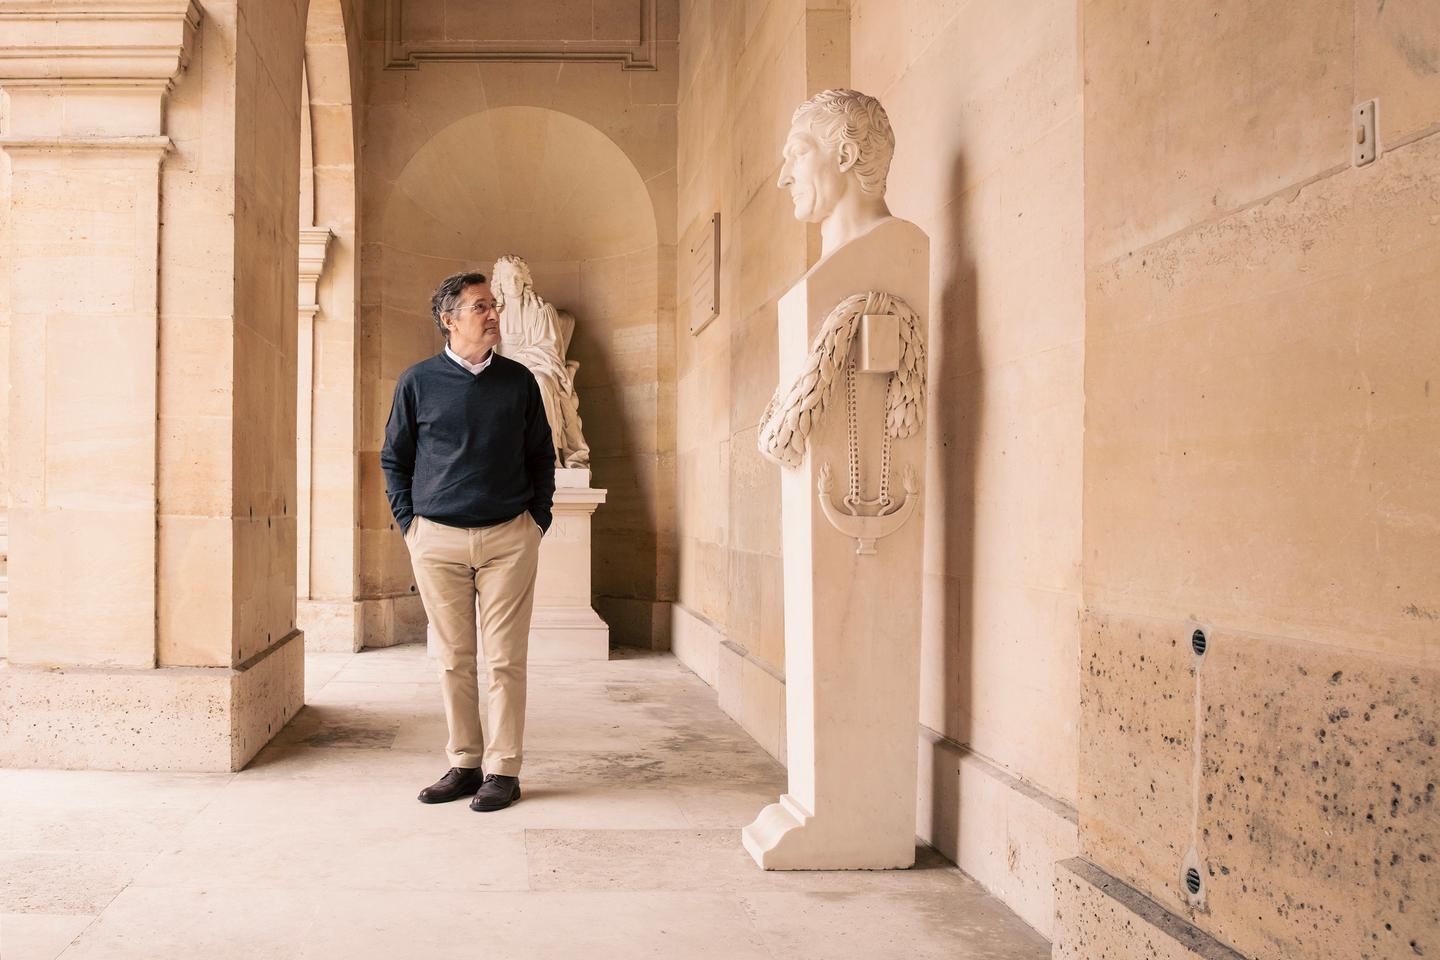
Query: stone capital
[[314, 246], [91, 69]]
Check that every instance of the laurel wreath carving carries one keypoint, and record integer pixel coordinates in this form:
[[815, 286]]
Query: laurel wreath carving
[[795, 411]]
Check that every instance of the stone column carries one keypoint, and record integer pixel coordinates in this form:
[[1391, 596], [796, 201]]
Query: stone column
[[88, 682], [86, 95]]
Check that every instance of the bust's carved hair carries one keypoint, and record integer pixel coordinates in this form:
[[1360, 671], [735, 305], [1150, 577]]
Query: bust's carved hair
[[519, 265], [847, 116]]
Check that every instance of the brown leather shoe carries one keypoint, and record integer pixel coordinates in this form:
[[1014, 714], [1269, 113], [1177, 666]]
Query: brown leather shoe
[[496, 793], [459, 782]]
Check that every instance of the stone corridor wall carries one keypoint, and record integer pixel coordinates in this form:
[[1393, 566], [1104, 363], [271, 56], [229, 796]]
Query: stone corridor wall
[[987, 117], [744, 68], [986, 103], [1262, 460]]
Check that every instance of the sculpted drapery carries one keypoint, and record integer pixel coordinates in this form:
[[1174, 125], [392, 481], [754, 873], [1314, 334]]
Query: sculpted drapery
[[533, 333]]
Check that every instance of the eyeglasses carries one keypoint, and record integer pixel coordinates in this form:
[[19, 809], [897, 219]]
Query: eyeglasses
[[481, 307]]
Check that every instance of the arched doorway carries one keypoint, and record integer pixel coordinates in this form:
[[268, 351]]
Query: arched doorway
[[555, 190]]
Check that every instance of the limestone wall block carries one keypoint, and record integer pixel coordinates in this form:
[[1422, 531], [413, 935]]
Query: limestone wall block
[[767, 248], [198, 372], [1286, 117], [1394, 62], [758, 624], [696, 643], [1317, 800], [754, 496], [1294, 418], [197, 458], [66, 550], [195, 590], [630, 356], [1137, 751]]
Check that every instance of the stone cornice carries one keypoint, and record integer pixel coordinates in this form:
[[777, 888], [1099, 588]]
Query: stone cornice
[[145, 42], [314, 246], [130, 152], [401, 54]]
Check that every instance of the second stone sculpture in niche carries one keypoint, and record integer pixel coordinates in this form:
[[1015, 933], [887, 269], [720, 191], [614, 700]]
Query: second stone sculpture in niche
[[534, 333]]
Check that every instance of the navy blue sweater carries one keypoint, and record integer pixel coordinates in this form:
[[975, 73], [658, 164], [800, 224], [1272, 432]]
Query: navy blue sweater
[[468, 449]]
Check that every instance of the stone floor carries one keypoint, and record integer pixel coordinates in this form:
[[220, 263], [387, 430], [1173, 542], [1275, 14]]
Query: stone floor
[[626, 844]]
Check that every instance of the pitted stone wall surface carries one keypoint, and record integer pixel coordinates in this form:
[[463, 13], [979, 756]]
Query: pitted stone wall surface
[[1262, 451], [1305, 777], [1320, 828], [1097, 917], [1137, 750]]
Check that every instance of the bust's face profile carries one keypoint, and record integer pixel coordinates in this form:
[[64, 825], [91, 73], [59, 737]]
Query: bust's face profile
[[813, 172]]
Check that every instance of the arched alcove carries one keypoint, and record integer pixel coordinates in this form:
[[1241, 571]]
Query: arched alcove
[[555, 190]]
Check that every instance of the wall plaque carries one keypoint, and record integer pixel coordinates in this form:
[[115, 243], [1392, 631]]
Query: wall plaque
[[704, 260]]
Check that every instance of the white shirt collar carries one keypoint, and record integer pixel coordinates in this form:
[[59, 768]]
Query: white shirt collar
[[466, 364]]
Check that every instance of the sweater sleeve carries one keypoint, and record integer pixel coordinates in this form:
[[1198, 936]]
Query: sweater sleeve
[[397, 456], [539, 457]]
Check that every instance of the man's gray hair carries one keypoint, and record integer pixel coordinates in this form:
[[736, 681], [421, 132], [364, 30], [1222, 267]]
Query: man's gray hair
[[847, 116], [447, 297]]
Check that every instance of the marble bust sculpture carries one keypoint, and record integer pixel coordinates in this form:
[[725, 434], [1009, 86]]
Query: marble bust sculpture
[[846, 428], [534, 333], [836, 161]]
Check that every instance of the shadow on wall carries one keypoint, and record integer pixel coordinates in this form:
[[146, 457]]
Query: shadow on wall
[[956, 400]]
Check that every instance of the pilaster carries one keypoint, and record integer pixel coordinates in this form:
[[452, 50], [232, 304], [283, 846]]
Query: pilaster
[[86, 86]]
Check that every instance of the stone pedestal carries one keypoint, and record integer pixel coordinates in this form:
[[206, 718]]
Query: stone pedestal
[[852, 619], [564, 625]]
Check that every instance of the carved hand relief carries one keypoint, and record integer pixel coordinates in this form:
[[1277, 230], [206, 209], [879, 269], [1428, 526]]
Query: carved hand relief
[[835, 164], [534, 333]]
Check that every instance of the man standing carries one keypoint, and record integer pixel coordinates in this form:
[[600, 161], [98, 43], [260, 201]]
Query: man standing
[[470, 472]]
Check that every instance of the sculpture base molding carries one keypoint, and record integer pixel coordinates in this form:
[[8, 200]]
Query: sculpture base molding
[[786, 836], [193, 719], [568, 633]]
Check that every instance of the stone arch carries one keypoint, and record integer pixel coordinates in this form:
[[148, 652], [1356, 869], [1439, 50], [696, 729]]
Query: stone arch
[[558, 191]]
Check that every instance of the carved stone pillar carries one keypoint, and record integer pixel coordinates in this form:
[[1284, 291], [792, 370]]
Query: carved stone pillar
[[84, 139], [89, 680]]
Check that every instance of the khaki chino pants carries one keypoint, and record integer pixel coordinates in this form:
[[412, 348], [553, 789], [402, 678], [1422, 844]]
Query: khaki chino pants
[[454, 565]]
